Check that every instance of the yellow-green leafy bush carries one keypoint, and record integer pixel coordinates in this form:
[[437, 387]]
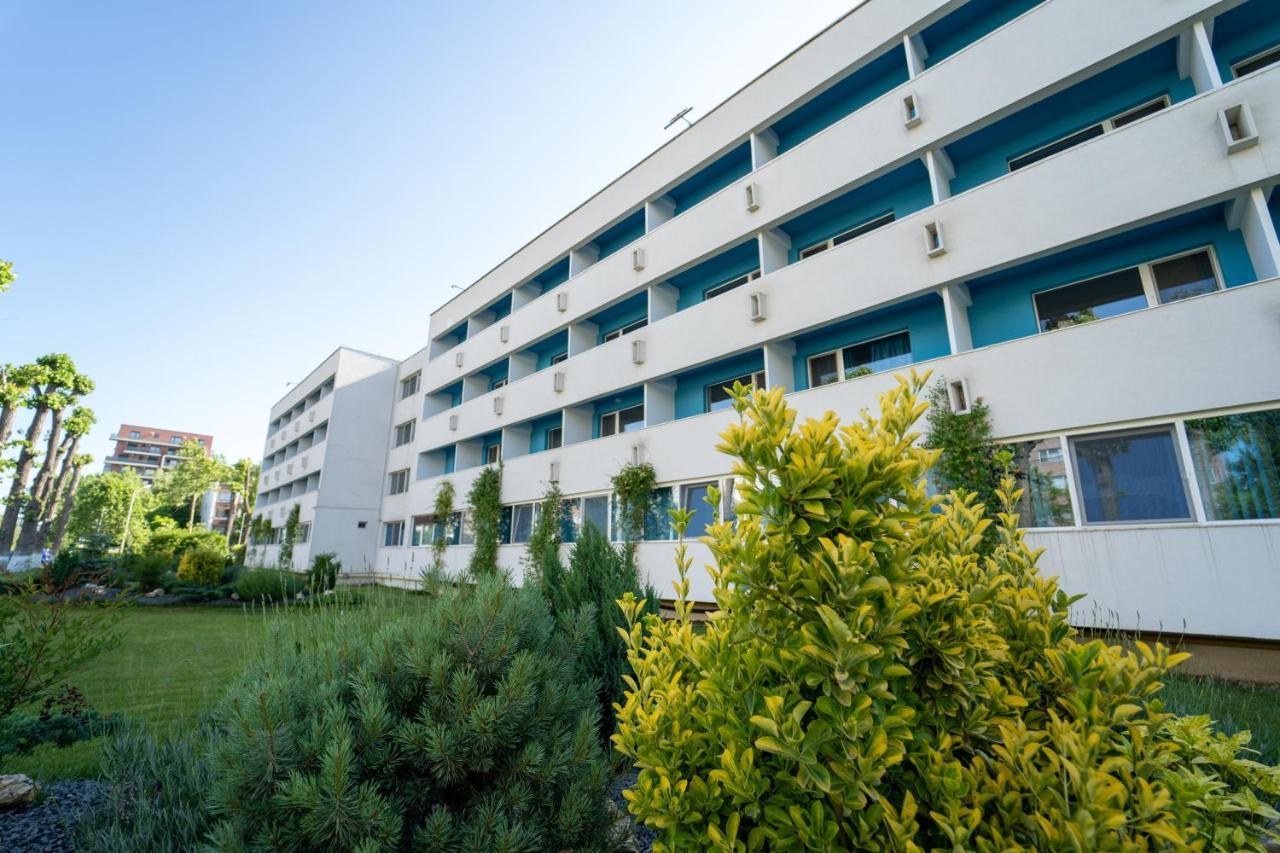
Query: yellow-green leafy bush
[[202, 566], [872, 682]]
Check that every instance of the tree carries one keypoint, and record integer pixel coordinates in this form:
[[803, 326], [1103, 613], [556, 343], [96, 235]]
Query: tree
[[112, 506], [241, 479], [485, 499], [15, 385], [288, 537], [78, 464], [42, 503], [57, 494], [57, 384], [6, 276], [195, 473], [968, 460]]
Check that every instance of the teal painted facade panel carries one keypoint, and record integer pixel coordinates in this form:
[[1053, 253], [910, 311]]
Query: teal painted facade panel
[[622, 314], [627, 231], [1243, 32], [726, 266], [967, 24], [984, 155], [711, 179], [450, 457], [842, 99], [923, 319], [539, 428], [691, 386], [1003, 308], [622, 400]]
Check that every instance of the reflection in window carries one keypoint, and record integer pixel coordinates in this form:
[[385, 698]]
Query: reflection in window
[[595, 510], [1237, 462], [1180, 278], [657, 521], [1105, 296], [1130, 476], [695, 501], [522, 523], [1046, 501]]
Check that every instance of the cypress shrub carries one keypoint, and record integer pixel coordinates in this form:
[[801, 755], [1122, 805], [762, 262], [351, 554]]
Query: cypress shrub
[[202, 566], [461, 728], [877, 678]]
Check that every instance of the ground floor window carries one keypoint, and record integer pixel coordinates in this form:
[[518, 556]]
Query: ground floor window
[[1237, 464], [393, 534], [1130, 476], [1042, 475]]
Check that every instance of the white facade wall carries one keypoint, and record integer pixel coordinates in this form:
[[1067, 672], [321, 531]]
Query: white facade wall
[[1162, 365]]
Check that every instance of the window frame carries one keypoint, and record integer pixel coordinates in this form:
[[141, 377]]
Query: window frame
[[558, 432], [387, 527], [399, 478], [1176, 434], [493, 454], [616, 415], [634, 326], [732, 284], [412, 425], [839, 354], [865, 227], [1274, 51], [1018, 162], [757, 382], [413, 383]]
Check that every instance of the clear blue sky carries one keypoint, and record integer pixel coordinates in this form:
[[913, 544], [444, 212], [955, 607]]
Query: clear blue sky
[[202, 200]]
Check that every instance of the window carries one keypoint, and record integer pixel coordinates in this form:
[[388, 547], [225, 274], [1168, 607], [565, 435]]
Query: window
[[1155, 283], [304, 533], [627, 329], [493, 454], [1237, 463], [713, 292], [845, 236], [1130, 476], [1185, 276], [559, 357], [522, 519], [398, 482], [409, 386], [693, 498], [498, 383], [175, 439], [595, 511], [393, 534], [555, 438], [135, 434], [1256, 62], [884, 353], [626, 420], [1093, 131], [717, 394], [1046, 500], [426, 530], [657, 517], [404, 433]]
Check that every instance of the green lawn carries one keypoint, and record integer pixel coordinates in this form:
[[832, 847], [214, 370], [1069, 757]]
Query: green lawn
[[174, 661]]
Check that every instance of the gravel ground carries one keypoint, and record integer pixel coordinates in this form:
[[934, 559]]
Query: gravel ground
[[643, 835], [49, 824]]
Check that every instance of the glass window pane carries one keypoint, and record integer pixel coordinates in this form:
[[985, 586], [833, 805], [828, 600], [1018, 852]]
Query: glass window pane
[[1139, 112], [1105, 296], [1052, 148], [657, 521], [1130, 476], [695, 500], [504, 525], [595, 510], [823, 370], [570, 519], [467, 535], [1190, 275], [609, 423], [521, 523], [880, 354], [1237, 461], [631, 419], [1045, 502]]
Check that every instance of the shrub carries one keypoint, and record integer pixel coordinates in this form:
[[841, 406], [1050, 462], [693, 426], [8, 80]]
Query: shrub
[[323, 575], [461, 728], [174, 544], [65, 718], [73, 567], [269, 585], [156, 794], [485, 499], [202, 566], [147, 571], [871, 681]]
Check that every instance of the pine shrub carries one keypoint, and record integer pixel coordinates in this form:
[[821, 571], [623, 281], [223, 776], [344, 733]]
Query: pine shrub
[[324, 571], [875, 679], [461, 728], [203, 566]]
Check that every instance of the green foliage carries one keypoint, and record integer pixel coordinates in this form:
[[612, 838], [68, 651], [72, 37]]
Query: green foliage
[[157, 796], [101, 508], [65, 718], [462, 728], [184, 483], [174, 543], [584, 598], [203, 566], [968, 458], [289, 536], [485, 499], [44, 642], [147, 571], [633, 489], [269, 585], [324, 571], [6, 275], [876, 679], [543, 552], [75, 566], [444, 514]]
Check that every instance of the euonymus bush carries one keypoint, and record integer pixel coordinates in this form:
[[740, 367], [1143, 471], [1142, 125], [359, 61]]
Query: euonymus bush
[[461, 728], [873, 682]]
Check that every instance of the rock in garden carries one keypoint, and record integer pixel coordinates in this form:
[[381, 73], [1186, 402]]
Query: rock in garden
[[17, 790], [155, 593], [235, 596]]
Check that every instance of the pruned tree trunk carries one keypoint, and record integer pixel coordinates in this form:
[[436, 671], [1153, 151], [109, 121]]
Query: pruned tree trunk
[[21, 472], [231, 516], [8, 414], [36, 503], [56, 495], [64, 514], [191, 517]]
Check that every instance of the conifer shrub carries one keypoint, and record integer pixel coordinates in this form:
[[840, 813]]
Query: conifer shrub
[[203, 566], [877, 679], [324, 571], [463, 727]]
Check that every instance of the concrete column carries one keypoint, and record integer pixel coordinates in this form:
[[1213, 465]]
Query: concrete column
[[917, 53], [658, 211], [524, 294], [1249, 214], [515, 440], [582, 336], [474, 386], [468, 454], [775, 247], [955, 303], [779, 364], [1195, 57], [477, 322], [941, 173], [662, 301], [764, 147], [583, 257], [576, 424], [521, 364], [659, 401]]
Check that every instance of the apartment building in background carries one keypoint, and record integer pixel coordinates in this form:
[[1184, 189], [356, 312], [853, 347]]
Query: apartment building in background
[[1065, 208], [148, 449]]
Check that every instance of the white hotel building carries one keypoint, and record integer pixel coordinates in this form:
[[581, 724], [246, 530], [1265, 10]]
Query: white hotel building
[[1065, 207]]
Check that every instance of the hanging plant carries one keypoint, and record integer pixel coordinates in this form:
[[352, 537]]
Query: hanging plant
[[633, 489]]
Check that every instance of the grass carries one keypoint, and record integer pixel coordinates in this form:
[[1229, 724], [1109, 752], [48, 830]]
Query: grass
[[1234, 707], [172, 664]]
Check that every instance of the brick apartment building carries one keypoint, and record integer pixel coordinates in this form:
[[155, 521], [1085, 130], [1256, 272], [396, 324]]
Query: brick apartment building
[[147, 449]]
